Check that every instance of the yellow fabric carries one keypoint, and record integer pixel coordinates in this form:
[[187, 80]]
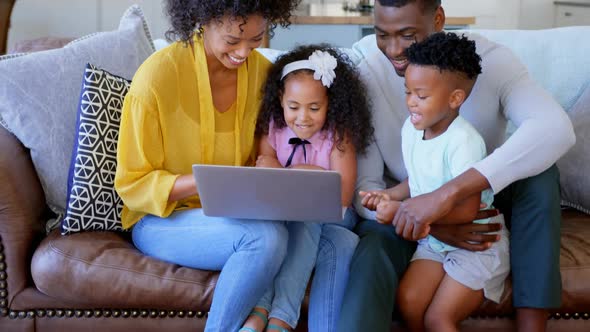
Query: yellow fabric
[[168, 124], [224, 152]]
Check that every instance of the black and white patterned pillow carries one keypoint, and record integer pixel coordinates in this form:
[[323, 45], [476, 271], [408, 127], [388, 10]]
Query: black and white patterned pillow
[[93, 203]]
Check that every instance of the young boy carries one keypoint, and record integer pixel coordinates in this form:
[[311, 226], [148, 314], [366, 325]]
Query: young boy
[[443, 285]]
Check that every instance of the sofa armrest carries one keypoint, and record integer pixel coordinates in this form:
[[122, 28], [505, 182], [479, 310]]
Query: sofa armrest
[[22, 205]]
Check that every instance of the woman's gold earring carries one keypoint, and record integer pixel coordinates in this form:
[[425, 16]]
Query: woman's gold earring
[[199, 29]]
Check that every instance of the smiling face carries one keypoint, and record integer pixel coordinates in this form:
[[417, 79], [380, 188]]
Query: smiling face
[[432, 99], [305, 104], [398, 28], [231, 39]]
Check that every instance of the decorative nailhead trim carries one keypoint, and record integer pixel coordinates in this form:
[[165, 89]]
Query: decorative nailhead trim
[[3, 284], [97, 313]]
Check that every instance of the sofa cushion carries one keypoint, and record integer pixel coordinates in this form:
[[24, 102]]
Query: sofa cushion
[[39, 94], [92, 202], [574, 267], [574, 166], [105, 270]]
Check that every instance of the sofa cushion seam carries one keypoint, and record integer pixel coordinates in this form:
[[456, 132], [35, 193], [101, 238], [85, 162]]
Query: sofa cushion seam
[[64, 254]]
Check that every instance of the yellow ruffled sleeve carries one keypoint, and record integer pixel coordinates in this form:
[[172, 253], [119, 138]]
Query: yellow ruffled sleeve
[[140, 180]]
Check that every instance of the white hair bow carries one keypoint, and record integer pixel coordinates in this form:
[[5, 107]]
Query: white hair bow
[[322, 63]]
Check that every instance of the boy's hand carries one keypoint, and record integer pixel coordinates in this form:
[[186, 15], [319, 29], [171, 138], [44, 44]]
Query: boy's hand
[[267, 161], [372, 198], [386, 210]]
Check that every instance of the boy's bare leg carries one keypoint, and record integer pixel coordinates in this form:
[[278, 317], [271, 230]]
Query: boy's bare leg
[[452, 303], [416, 290]]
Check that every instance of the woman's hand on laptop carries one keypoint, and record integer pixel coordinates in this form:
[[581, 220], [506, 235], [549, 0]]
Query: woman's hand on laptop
[[268, 161]]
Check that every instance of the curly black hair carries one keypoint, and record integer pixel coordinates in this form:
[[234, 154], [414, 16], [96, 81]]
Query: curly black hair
[[348, 110], [447, 51], [427, 5], [186, 16]]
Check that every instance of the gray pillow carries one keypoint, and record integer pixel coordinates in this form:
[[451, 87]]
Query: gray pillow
[[574, 166], [39, 94]]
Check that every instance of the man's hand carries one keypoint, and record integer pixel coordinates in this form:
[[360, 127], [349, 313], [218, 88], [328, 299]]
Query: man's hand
[[372, 198], [415, 215], [386, 210], [471, 237], [268, 161]]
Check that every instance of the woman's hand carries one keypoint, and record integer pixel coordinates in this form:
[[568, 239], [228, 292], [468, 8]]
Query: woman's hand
[[268, 161], [386, 210], [185, 186], [371, 199]]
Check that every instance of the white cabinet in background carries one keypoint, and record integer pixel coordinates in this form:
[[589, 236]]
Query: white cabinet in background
[[570, 13]]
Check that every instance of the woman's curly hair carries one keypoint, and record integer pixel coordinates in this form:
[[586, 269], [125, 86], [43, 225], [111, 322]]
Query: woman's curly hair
[[447, 51], [186, 16], [348, 110]]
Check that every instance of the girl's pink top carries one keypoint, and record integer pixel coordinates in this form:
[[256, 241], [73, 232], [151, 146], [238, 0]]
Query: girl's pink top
[[318, 152]]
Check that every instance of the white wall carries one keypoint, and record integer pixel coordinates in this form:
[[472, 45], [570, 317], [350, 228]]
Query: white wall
[[536, 14], [489, 14], [61, 18], [75, 18]]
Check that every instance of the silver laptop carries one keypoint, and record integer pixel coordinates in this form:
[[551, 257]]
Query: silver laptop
[[269, 193]]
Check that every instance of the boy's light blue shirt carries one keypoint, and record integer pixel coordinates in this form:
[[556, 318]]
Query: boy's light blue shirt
[[432, 163]]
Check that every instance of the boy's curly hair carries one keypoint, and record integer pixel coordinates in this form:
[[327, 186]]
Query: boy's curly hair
[[447, 51], [187, 15], [348, 111]]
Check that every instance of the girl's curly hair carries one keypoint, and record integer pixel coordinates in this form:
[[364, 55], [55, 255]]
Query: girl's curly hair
[[186, 16], [348, 110]]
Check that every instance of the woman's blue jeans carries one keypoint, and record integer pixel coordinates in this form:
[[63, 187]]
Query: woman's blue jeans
[[326, 247], [249, 253]]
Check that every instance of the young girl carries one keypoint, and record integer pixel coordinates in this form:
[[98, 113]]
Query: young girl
[[314, 116], [443, 285]]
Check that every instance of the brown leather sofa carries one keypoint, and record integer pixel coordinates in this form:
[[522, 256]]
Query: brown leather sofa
[[5, 11], [97, 281]]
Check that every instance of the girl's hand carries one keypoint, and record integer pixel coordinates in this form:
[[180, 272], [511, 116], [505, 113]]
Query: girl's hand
[[372, 198], [386, 210], [268, 161], [306, 166]]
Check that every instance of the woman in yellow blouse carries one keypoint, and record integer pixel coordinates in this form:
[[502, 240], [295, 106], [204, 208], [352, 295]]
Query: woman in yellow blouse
[[196, 102]]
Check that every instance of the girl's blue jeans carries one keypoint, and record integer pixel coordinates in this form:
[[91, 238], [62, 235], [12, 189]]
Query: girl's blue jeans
[[326, 247], [248, 253]]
